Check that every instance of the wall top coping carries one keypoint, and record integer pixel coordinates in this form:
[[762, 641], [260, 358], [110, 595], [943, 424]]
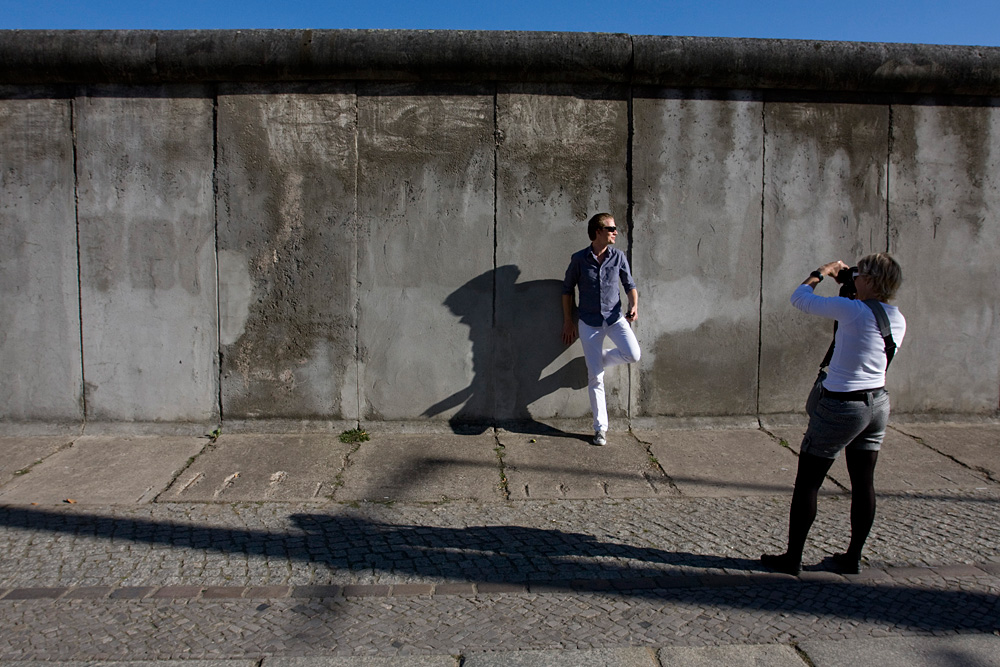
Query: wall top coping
[[262, 56]]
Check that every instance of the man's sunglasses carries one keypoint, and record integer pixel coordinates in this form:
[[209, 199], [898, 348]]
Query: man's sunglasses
[[608, 229]]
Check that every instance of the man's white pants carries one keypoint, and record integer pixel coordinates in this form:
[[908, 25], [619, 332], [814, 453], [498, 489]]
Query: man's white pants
[[626, 351]]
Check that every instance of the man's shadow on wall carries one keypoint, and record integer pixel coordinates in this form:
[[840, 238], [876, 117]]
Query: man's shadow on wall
[[515, 329]]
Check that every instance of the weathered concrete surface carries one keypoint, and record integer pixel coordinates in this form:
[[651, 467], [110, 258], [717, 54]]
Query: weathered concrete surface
[[153, 56], [976, 446], [393, 251], [425, 202], [561, 158], [722, 462], [749, 655], [945, 213], [432, 466], [904, 464], [147, 254], [41, 372], [411, 467], [698, 161], [104, 471], [272, 467], [788, 64], [288, 252], [610, 657], [968, 650], [544, 467], [19, 455], [824, 199], [360, 661]]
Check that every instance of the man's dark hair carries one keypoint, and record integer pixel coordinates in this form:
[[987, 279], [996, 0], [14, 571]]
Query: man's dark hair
[[596, 223]]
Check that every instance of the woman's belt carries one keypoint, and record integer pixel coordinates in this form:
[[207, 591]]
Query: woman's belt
[[865, 395]]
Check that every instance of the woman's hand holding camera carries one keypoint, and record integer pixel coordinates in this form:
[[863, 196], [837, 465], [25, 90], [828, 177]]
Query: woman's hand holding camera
[[833, 268]]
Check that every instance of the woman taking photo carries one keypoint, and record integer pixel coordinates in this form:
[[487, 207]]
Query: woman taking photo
[[849, 408]]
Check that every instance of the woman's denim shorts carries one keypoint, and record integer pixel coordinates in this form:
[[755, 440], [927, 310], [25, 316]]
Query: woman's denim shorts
[[835, 425]]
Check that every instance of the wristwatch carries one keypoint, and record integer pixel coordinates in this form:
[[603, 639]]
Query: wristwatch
[[817, 275]]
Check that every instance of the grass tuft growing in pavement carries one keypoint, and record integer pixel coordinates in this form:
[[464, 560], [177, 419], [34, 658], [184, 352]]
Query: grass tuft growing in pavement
[[355, 435]]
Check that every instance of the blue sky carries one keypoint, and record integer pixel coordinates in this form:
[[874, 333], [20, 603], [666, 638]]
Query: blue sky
[[925, 21]]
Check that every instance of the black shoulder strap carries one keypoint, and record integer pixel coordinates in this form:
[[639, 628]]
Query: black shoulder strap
[[829, 352], [883, 327]]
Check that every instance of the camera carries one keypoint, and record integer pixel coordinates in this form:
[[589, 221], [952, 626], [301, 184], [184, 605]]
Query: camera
[[845, 277]]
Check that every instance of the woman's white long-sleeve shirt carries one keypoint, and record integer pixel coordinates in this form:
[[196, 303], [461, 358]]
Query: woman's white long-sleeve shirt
[[859, 354]]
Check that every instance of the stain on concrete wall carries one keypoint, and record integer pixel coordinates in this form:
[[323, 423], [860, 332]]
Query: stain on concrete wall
[[40, 365], [147, 253], [288, 251], [388, 251], [425, 203], [824, 199], [561, 158], [698, 172], [945, 187]]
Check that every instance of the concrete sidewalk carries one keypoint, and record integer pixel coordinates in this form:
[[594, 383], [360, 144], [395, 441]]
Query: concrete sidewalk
[[520, 546], [540, 462]]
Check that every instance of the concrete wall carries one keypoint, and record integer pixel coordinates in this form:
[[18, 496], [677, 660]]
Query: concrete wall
[[222, 225]]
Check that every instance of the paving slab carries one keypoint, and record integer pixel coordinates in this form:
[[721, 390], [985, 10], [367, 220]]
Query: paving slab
[[18, 455], [975, 445], [131, 663], [99, 470], [263, 467], [904, 464], [422, 468], [545, 467], [365, 661], [725, 462], [739, 655], [611, 657], [973, 650]]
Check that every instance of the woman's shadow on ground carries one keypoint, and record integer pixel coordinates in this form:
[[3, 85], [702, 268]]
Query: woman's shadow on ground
[[515, 332]]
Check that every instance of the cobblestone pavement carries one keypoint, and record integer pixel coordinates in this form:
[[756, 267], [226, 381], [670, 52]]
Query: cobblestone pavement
[[166, 581]]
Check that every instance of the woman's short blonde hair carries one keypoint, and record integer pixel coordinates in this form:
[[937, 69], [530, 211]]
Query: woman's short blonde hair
[[884, 274]]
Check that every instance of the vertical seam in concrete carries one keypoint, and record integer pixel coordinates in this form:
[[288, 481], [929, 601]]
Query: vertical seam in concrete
[[763, 214], [629, 214], [496, 166], [888, 172], [357, 252], [215, 215], [79, 255], [496, 199]]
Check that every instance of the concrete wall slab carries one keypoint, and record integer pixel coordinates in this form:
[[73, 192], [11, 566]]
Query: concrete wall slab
[[288, 252], [147, 254], [425, 203], [41, 370], [824, 199], [945, 214], [561, 158], [698, 161]]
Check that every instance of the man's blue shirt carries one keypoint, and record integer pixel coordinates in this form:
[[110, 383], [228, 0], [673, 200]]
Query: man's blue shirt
[[600, 299]]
